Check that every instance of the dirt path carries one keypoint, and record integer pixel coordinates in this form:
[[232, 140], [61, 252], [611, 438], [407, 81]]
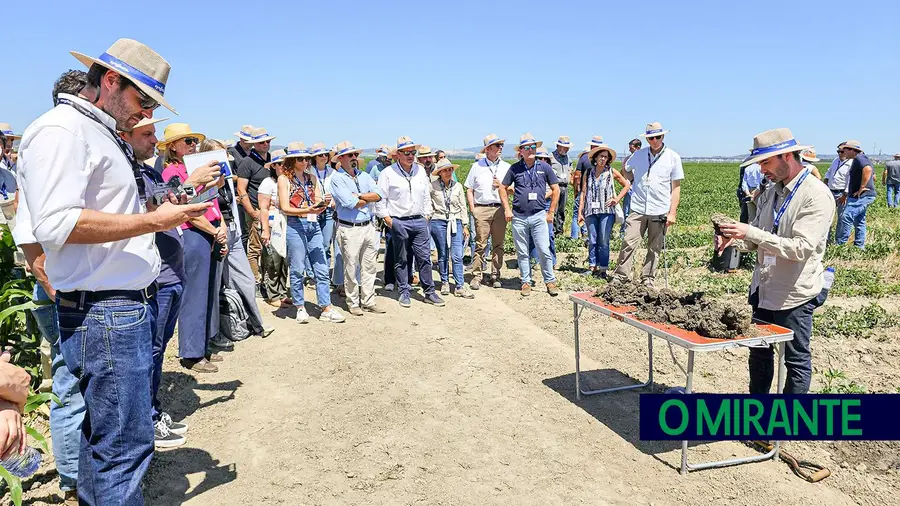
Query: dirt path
[[468, 404]]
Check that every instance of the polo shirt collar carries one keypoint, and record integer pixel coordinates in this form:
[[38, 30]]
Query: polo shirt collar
[[239, 149], [106, 119]]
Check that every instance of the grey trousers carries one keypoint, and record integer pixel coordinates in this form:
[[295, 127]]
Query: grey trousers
[[238, 276]]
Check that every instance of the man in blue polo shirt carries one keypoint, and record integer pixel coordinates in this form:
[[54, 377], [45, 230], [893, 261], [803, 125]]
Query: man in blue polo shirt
[[529, 178], [859, 194]]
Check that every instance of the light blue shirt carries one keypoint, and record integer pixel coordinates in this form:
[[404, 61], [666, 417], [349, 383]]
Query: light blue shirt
[[373, 168], [345, 192], [752, 178]]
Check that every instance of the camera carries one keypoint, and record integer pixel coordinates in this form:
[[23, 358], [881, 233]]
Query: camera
[[174, 187]]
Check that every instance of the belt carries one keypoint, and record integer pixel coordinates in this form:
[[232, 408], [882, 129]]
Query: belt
[[404, 218], [80, 299], [351, 224], [487, 205], [563, 185]]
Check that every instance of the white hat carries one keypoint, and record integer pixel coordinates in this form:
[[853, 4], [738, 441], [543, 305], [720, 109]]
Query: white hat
[[771, 143], [809, 155], [424, 151], [344, 148], [490, 140], [6, 129], [602, 147], [527, 139], [245, 133], [654, 129], [564, 141], [296, 150], [404, 142], [259, 134]]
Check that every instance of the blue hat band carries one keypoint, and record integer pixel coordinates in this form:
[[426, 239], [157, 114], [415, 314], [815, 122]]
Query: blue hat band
[[346, 150], [564, 143], [297, 152], [132, 72], [775, 147], [651, 132], [8, 132], [245, 134], [529, 141], [260, 136], [405, 144], [277, 159]]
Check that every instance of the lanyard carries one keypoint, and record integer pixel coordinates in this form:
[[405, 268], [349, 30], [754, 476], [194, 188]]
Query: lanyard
[[787, 200], [356, 182], [321, 178], [493, 167], [124, 146], [531, 175], [650, 159], [303, 186], [409, 176], [444, 190]]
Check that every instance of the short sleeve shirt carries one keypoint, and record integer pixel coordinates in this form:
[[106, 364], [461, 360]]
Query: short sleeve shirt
[[251, 168], [529, 186], [653, 177], [856, 173], [270, 187]]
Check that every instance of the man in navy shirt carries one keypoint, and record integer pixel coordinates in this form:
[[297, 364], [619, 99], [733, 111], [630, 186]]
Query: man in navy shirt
[[858, 195], [529, 178]]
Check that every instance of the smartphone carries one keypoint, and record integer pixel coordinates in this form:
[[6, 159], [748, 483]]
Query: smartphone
[[205, 196]]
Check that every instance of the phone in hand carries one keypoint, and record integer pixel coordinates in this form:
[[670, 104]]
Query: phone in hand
[[205, 196]]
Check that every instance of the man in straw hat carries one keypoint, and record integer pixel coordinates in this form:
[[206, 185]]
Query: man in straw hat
[[529, 179], [382, 159], [405, 190], [891, 179], [809, 158], [244, 144], [425, 157], [790, 237], [836, 179], [582, 168], [86, 195], [858, 195], [251, 172], [483, 186], [355, 193], [561, 166], [657, 173]]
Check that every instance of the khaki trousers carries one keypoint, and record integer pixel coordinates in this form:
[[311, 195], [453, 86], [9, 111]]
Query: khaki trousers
[[637, 225], [489, 222], [254, 246], [359, 247]]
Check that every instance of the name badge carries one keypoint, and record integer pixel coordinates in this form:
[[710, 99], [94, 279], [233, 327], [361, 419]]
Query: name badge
[[143, 206], [312, 218], [532, 196], [232, 226], [769, 260], [595, 205], [180, 231]]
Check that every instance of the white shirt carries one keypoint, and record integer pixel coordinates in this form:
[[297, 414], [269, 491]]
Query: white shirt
[[837, 174], [481, 180], [652, 189], [67, 163], [402, 196], [22, 233], [270, 187]]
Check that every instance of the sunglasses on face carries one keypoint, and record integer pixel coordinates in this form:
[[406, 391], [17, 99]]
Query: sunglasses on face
[[147, 103], [323, 155], [408, 153], [530, 147], [498, 145], [655, 138], [190, 141], [353, 155], [264, 142]]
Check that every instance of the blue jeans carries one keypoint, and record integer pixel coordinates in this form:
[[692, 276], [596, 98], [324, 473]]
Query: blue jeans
[[327, 224], [165, 308], [575, 228], [534, 227], [66, 417], [599, 232], [854, 219], [108, 347], [626, 210], [439, 236], [304, 242], [532, 249], [198, 321], [839, 211], [893, 194]]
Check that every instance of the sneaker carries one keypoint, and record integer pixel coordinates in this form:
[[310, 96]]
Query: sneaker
[[332, 315], [302, 316], [552, 289], [495, 282], [475, 284], [258, 292], [310, 282], [201, 365], [214, 357], [464, 293], [173, 426], [356, 311], [404, 300], [164, 438], [445, 288], [389, 287], [526, 289], [374, 308], [435, 299]]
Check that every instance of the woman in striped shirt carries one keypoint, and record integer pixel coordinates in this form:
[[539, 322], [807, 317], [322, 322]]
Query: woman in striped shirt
[[598, 202]]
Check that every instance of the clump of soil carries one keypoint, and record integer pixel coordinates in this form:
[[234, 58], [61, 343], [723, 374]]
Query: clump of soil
[[690, 311], [719, 219]]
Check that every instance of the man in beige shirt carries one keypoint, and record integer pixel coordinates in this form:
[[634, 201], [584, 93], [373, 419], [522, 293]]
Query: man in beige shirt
[[789, 235]]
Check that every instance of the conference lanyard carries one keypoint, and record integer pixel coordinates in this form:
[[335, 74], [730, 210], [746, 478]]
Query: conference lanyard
[[787, 200], [302, 187], [444, 189], [321, 178], [651, 161], [408, 177]]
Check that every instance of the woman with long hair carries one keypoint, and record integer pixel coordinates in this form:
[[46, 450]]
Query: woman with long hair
[[275, 265], [205, 244], [302, 200], [598, 206]]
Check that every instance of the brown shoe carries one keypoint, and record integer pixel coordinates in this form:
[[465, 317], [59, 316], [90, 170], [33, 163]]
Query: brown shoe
[[201, 365], [214, 357], [552, 289], [526, 289], [475, 284], [374, 308], [356, 311], [274, 302]]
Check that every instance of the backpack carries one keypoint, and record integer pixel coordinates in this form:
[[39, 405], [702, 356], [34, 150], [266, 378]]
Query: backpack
[[232, 316]]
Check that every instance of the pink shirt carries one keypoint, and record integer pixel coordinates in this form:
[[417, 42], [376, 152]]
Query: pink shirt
[[178, 169]]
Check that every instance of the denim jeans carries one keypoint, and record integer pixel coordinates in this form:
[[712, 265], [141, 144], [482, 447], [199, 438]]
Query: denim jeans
[[390, 277], [108, 347], [304, 242], [532, 249], [412, 250], [165, 308], [534, 228], [839, 212], [66, 417], [577, 231], [626, 210], [893, 194], [599, 233], [854, 219], [327, 224], [447, 253]]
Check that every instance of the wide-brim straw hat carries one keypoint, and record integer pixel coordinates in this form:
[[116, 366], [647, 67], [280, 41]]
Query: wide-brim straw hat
[[404, 142], [383, 150], [424, 152], [136, 62], [319, 149], [543, 153], [443, 164], [527, 139], [654, 129], [344, 148], [596, 140], [296, 149], [853, 145], [277, 156], [490, 140], [809, 155], [177, 131], [772, 143], [564, 141], [7, 130], [245, 133], [602, 147], [147, 122], [259, 134]]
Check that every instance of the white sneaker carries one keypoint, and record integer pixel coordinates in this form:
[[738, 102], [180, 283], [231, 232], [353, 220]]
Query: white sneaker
[[302, 316], [332, 315], [164, 438]]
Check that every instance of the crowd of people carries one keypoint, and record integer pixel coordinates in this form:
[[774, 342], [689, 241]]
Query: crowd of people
[[111, 223]]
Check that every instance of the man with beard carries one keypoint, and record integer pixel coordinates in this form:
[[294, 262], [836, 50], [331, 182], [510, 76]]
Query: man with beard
[[251, 172], [87, 200], [242, 147], [561, 166], [426, 158]]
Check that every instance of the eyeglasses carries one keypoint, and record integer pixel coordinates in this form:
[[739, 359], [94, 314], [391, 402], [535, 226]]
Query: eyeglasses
[[353, 155], [147, 103], [190, 141], [530, 147], [408, 153]]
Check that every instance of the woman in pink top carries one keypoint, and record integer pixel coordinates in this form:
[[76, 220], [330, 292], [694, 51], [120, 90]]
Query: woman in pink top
[[205, 244]]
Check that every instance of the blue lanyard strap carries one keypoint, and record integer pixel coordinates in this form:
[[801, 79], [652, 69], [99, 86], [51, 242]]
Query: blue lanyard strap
[[787, 200], [302, 187]]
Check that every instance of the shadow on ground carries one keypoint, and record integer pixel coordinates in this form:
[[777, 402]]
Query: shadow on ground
[[180, 474]]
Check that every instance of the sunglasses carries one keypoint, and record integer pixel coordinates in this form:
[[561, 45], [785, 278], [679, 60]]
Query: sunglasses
[[190, 141], [264, 142], [322, 155], [353, 155], [408, 153], [147, 103], [530, 147], [654, 138], [498, 145]]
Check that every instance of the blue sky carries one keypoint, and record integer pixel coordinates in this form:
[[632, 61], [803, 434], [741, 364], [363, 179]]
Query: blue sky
[[448, 73]]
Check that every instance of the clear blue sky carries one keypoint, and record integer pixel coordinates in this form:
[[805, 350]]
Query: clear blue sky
[[448, 73]]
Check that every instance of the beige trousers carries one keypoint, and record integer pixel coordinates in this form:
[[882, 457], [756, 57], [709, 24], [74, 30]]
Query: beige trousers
[[359, 246], [489, 222], [638, 226]]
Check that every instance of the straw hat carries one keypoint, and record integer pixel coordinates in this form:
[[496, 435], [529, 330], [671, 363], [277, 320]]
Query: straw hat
[[853, 145], [654, 129], [296, 150], [245, 133], [771, 143], [424, 151], [7, 130], [602, 147], [277, 156], [564, 141], [383, 150], [259, 134], [404, 143], [543, 153], [344, 148], [490, 140], [527, 139], [443, 164], [136, 62], [319, 149], [177, 131], [809, 155], [479, 156], [150, 121], [596, 140]]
